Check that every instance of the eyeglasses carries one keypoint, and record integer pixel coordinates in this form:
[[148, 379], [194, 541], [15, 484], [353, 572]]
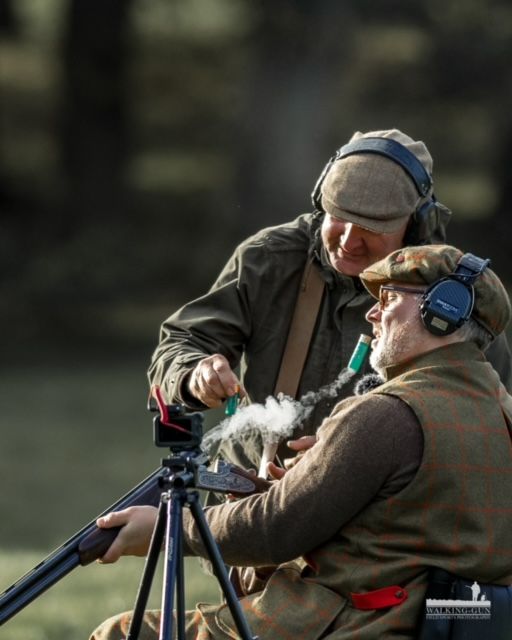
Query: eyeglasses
[[386, 289]]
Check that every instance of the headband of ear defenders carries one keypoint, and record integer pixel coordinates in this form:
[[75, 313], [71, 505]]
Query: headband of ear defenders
[[385, 147]]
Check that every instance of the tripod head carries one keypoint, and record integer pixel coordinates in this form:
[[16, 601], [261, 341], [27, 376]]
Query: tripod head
[[182, 433], [173, 427]]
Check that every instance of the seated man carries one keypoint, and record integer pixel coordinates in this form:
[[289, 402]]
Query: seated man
[[415, 473]]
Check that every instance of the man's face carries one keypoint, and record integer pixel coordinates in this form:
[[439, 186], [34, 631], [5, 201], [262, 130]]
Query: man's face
[[397, 328], [351, 249]]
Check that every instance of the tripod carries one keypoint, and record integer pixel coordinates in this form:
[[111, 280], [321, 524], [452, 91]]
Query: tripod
[[179, 484]]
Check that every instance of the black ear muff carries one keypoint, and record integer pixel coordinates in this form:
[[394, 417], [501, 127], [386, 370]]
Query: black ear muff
[[420, 223], [448, 303], [446, 306]]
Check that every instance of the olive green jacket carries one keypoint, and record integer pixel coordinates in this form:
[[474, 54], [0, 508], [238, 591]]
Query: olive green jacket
[[247, 313]]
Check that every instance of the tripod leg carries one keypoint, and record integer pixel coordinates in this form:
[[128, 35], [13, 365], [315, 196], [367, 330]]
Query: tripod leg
[[180, 590], [149, 572], [172, 551], [219, 568]]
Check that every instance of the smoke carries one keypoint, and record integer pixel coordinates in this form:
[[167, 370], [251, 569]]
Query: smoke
[[311, 398], [276, 419]]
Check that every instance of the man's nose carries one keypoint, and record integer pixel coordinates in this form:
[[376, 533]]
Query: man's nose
[[374, 314], [352, 236]]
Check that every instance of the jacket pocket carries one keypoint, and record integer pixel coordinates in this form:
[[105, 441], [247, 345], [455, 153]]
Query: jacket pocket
[[289, 606]]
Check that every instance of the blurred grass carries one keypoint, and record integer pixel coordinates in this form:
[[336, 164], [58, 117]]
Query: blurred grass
[[75, 436], [80, 601]]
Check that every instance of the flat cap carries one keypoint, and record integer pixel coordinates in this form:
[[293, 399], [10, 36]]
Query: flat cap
[[426, 264], [372, 190]]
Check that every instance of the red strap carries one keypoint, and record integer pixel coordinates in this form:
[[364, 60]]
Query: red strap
[[380, 598], [165, 420]]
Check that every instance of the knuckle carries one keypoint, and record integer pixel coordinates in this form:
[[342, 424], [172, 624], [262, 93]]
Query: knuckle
[[209, 376], [220, 363], [208, 362]]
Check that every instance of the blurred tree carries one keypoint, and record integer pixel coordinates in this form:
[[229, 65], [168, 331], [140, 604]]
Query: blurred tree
[[93, 114], [8, 18], [472, 46], [290, 110], [159, 134]]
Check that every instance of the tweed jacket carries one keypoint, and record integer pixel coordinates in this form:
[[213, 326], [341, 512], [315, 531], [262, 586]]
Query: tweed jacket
[[455, 514]]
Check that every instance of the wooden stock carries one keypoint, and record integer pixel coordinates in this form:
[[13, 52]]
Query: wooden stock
[[95, 544]]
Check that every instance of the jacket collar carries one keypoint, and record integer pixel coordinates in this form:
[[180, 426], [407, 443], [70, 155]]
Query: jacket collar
[[453, 352]]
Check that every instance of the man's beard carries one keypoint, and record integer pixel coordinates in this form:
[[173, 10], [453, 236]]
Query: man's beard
[[395, 348]]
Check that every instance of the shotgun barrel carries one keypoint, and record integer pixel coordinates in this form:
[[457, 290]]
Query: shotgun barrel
[[85, 546]]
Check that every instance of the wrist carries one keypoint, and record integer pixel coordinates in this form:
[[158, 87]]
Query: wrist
[[185, 396]]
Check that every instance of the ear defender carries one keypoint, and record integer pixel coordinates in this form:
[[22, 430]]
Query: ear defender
[[448, 303]]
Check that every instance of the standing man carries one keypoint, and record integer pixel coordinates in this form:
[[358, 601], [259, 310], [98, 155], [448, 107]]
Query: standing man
[[415, 474], [374, 196]]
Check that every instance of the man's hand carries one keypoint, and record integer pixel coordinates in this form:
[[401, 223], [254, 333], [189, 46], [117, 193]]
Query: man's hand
[[301, 446], [213, 380], [137, 527]]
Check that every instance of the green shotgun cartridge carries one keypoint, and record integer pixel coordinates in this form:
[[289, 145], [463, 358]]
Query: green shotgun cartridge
[[232, 404], [359, 353]]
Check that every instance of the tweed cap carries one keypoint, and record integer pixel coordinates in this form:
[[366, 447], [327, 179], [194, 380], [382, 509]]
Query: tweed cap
[[426, 264], [371, 190]]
